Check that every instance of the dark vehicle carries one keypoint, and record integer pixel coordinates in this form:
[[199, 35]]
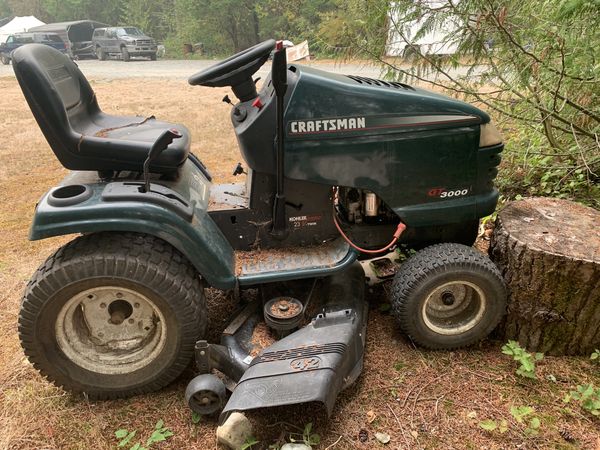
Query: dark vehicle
[[77, 35], [14, 41], [124, 42], [339, 169]]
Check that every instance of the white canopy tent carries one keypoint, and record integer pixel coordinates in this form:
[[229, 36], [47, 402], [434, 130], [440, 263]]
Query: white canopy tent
[[19, 25]]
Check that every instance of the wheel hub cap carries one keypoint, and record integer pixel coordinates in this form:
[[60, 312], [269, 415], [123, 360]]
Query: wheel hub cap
[[110, 329], [454, 308]]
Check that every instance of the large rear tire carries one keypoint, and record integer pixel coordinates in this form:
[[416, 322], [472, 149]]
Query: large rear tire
[[448, 296], [113, 315]]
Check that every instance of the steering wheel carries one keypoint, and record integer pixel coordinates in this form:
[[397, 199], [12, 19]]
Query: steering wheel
[[236, 71]]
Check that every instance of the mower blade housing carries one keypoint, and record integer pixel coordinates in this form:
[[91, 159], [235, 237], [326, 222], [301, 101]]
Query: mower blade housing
[[316, 362]]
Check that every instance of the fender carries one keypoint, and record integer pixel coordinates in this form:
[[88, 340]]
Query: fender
[[190, 231]]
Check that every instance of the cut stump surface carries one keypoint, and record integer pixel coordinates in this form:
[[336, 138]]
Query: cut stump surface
[[549, 253]]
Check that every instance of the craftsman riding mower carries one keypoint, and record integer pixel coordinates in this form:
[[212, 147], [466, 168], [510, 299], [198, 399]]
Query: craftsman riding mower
[[338, 169]]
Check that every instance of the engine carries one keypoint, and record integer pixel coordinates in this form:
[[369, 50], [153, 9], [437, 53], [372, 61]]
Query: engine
[[358, 206]]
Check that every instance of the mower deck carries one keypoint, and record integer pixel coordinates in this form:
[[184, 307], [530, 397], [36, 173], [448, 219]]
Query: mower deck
[[312, 364]]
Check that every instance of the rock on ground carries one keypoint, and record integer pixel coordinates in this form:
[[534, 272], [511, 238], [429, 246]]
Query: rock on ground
[[235, 431], [296, 446]]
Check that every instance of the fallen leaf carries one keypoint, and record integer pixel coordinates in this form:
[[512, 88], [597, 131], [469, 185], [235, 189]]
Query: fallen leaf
[[488, 425], [414, 434], [371, 416], [384, 438], [472, 415]]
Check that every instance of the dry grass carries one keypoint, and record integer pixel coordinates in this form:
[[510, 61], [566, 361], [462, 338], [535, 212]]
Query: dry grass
[[422, 399]]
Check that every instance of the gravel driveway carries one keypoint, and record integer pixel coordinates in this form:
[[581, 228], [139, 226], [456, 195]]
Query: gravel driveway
[[182, 69]]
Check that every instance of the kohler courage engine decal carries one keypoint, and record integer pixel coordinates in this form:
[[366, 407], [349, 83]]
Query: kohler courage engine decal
[[305, 221], [361, 123]]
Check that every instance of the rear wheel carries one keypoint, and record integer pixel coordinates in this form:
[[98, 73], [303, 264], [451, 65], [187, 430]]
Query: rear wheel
[[125, 54], [113, 315], [448, 296]]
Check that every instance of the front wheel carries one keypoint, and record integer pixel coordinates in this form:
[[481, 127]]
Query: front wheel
[[125, 54], [100, 54], [113, 315], [448, 296], [4, 59]]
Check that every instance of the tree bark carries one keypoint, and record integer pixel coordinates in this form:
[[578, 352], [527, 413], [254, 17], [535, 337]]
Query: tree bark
[[549, 253]]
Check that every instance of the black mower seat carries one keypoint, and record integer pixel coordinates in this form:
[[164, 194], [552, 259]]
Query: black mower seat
[[80, 134]]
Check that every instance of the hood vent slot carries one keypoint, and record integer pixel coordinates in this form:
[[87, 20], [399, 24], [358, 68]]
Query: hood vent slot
[[380, 83]]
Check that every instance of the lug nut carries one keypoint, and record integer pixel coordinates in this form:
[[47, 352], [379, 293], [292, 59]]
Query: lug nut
[[102, 305]]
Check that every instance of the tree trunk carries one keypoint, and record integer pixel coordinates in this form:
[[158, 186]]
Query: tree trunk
[[549, 253], [255, 25]]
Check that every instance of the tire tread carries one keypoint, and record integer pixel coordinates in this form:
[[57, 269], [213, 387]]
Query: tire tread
[[435, 260], [144, 258]]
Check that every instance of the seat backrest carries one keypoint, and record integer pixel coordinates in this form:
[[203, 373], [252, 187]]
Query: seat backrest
[[58, 95]]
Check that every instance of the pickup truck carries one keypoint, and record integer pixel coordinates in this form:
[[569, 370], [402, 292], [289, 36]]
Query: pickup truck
[[123, 42], [16, 40]]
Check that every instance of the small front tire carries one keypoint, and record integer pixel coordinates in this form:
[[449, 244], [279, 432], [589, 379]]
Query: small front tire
[[4, 59], [448, 296], [113, 315]]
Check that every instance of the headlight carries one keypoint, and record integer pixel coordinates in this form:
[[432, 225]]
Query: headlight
[[489, 135]]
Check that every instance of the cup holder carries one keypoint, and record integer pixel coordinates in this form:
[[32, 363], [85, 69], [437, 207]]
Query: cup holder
[[70, 194]]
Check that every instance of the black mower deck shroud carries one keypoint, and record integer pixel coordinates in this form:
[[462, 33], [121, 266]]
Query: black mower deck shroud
[[312, 364]]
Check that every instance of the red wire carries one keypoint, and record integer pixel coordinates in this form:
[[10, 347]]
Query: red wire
[[397, 233]]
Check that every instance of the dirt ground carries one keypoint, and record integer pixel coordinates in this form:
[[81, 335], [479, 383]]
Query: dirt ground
[[421, 399]]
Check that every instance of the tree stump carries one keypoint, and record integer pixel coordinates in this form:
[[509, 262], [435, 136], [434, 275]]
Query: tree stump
[[549, 253]]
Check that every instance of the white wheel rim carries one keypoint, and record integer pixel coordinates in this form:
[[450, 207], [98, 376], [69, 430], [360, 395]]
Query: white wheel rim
[[467, 307], [110, 330]]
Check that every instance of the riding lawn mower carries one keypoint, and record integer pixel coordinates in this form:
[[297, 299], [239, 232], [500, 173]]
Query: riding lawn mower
[[339, 169]]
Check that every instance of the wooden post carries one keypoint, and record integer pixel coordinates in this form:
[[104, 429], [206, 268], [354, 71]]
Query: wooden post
[[549, 253]]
